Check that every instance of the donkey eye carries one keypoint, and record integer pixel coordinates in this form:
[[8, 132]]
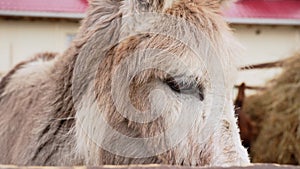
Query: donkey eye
[[173, 84], [180, 86]]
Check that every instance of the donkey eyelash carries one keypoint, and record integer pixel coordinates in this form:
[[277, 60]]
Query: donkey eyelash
[[184, 87], [179, 85]]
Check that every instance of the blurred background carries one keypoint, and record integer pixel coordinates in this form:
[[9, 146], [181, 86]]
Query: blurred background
[[267, 103]]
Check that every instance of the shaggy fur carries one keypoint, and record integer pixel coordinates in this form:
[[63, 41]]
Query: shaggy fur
[[53, 111]]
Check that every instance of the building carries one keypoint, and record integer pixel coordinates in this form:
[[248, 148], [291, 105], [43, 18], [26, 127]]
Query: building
[[31, 26], [269, 30]]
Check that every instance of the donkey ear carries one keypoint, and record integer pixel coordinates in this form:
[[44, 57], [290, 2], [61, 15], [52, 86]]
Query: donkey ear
[[219, 4], [226, 3]]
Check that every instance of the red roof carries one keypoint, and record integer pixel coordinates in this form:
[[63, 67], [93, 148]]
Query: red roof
[[65, 6], [242, 11], [265, 9]]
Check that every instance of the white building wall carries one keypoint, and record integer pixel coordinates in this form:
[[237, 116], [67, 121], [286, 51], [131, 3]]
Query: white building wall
[[21, 39], [265, 44]]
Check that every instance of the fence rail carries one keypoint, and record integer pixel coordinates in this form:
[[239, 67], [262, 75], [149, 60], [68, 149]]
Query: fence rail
[[253, 166], [263, 65]]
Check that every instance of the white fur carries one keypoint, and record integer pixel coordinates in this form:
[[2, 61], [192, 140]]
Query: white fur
[[29, 75]]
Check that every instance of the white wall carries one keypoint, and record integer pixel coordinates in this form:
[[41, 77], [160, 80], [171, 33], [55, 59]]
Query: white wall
[[21, 39], [265, 44]]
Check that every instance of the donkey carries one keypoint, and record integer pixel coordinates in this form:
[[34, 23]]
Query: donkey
[[145, 81]]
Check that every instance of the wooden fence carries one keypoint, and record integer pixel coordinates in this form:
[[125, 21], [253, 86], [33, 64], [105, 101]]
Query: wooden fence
[[254, 166]]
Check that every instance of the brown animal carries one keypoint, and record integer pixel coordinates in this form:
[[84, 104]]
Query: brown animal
[[145, 81], [246, 125]]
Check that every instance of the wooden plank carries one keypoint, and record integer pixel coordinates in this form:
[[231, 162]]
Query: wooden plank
[[263, 65], [253, 166], [252, 87]]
